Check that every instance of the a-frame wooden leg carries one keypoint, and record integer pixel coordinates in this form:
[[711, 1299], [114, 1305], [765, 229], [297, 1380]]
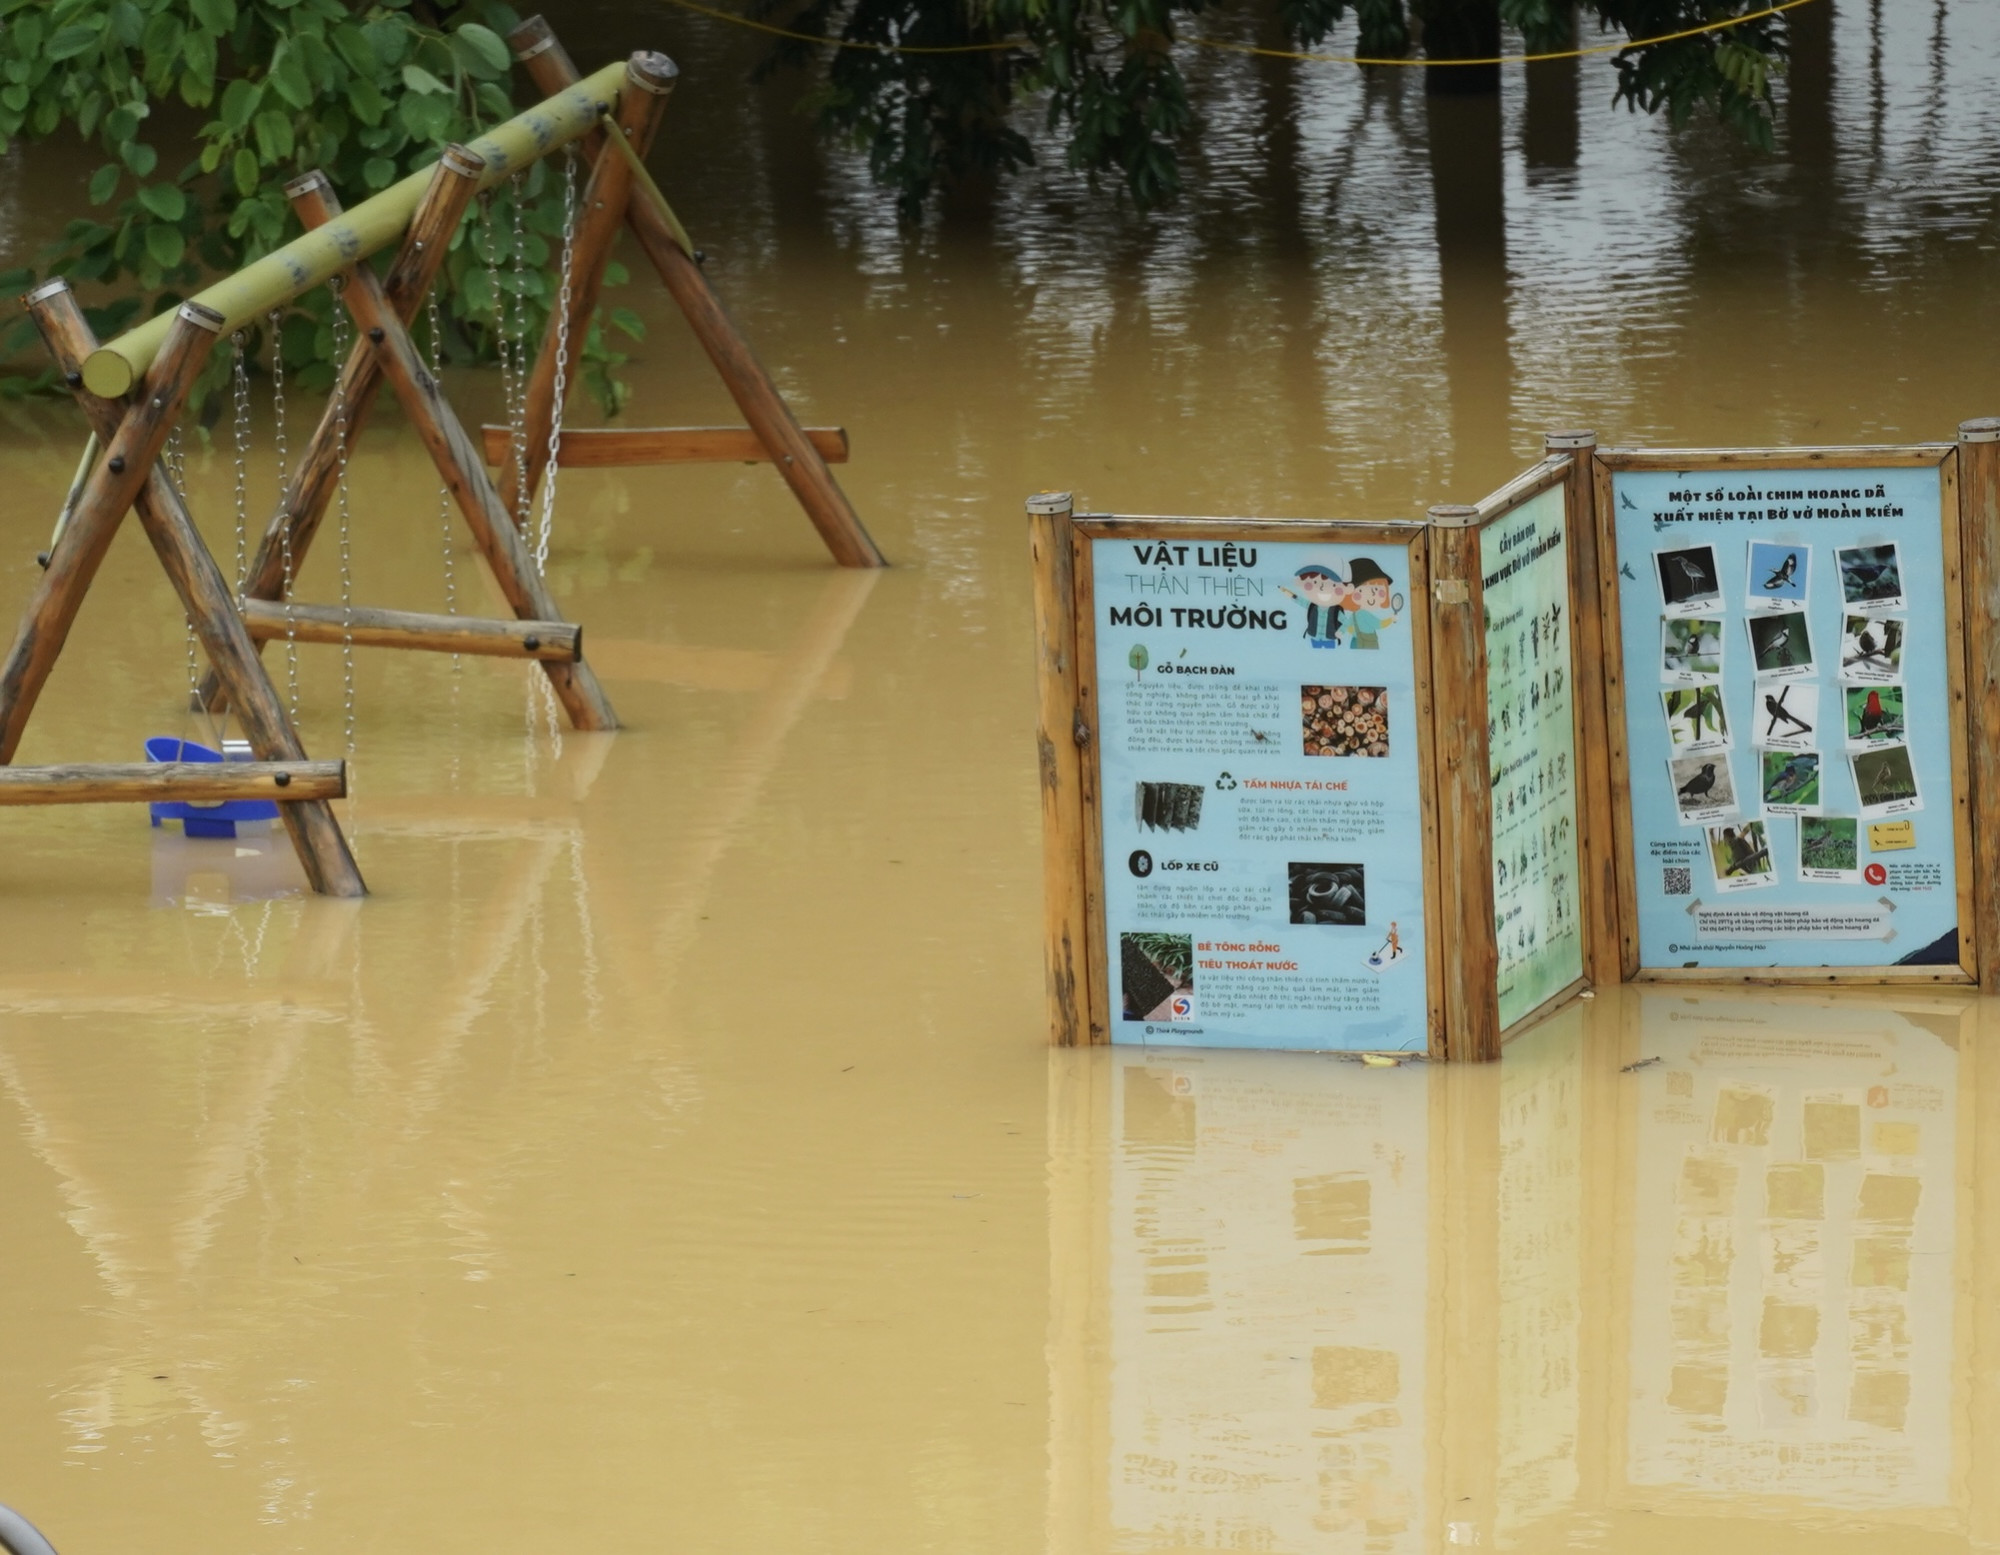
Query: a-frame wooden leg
[[457, 459], [108, 493], [311, 487], [648, 79], [204, 593], [812, 483]]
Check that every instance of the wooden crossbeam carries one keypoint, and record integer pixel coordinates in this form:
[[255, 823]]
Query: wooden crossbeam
[[133, 433], [458, 463], [548, 64], [649, 77], [560, 641], [192, 782], [606, 448], [316, 475]]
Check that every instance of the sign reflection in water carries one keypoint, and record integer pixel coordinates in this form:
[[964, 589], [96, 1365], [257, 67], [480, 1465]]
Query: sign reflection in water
[[1303, 1304]]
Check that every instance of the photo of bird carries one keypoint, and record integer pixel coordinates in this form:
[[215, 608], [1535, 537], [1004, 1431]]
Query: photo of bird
[[1869, 573], [1791, 779], [1742, 851], [1701, 784], [1775, 706], [1781, 576], [1687, 577], [1885, 776], [1780, 642], [1871, 642], [1876, 714], [1696, 717]]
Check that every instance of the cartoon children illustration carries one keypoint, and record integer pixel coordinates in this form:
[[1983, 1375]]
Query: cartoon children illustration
[[1368, 598], [1323, 591]]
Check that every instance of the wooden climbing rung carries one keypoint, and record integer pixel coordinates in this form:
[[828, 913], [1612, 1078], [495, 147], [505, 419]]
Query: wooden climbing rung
[[597, 448], [270, 621], [193, 782]]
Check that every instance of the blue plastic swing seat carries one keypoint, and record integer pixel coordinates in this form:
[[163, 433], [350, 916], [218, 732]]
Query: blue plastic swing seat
[[204, 820]]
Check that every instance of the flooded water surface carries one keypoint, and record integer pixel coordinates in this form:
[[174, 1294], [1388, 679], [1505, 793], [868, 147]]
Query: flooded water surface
[[668, 1152]]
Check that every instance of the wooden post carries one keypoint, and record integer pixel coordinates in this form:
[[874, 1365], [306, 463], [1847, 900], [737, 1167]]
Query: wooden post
[[1065, 931], [1979, 534], [108, 492], [457, 459], [649, 78], [196, 782], [1465, 791], [756, 396], [311, 487], [1596, 845], [323, 852], [369, 628]]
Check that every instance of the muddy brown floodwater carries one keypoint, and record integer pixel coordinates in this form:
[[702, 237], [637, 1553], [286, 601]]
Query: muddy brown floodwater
[[667, 1155]]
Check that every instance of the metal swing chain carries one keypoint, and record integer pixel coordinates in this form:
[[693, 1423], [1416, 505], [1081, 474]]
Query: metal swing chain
[[546, 526], [338, 285], [176, 466], [444, 491], [274, 319], [239, 379], [491, 259], [517, 405]]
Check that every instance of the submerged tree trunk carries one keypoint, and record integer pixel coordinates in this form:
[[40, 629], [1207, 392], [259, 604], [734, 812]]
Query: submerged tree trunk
[[1461, 29], [1809, 103], [1468, 186], [1550, 136]]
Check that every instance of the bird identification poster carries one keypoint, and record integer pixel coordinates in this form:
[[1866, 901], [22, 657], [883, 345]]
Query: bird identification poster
[[1531, 743], [1788, 716], [1261, 792]]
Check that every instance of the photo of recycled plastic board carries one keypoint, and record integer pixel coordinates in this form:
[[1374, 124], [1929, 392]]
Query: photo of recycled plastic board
[[1882, 615]]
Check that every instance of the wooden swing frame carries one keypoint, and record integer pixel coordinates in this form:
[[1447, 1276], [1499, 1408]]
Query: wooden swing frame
[[134, 389]]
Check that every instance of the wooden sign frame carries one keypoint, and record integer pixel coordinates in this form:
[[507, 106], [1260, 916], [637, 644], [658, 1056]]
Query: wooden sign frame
[[1077, 957], [1967, 597], [1465, 714]]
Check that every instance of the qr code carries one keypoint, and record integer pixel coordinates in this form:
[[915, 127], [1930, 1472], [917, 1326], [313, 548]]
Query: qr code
[[1677, 880]]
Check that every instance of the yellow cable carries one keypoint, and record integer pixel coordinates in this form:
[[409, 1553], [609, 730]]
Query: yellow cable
[[1251, 48]]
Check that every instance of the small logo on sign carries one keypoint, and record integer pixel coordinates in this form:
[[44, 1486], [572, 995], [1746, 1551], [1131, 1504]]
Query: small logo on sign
[[1181, 1007], [1875, 874]]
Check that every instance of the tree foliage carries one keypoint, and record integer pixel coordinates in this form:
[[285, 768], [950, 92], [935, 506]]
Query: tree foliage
[[1110, 78], [251, 93]]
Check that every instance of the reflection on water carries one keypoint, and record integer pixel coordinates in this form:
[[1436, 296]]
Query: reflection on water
[[1535, 1306], [669, 1146]]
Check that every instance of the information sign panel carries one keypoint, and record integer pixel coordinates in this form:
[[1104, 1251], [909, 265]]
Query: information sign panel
[[1259, 735], [1790, 753]]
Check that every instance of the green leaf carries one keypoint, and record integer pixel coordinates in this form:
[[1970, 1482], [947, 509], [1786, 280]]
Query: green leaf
[[484, 44], [366, 100], [164, 201], [355, 48], [15, 96], [128, 24], [239, 102], [274, 135], [626, 320], [198, 49], [418, 79], [218, 16], [104, 183], [141, 158], [425, 117], [70, 42], [288, 79], [378, 172], [165, 246], [494, 101], [615, 274]]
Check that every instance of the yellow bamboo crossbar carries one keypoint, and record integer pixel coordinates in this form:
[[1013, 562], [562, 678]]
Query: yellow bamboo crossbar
[[317, 256]]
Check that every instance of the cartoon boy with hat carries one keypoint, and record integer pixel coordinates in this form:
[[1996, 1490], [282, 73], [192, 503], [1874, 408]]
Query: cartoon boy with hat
[[1324, 591], [1368, 598]]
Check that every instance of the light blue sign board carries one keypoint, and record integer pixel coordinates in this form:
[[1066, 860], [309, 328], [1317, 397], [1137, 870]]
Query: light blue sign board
[[1705, 898], [1262, 813]]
